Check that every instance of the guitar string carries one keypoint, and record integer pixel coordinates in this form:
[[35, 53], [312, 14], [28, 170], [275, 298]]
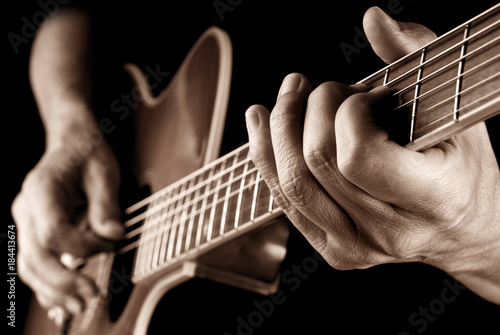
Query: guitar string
[[495, 92], [194, 200], [186, 206], [442, 53], [171, 215], [443, 101], [149, 199], [170, 226], [452, 80], [222, 173], [186, 192], [493, 11], [135, 244], [173, 223]]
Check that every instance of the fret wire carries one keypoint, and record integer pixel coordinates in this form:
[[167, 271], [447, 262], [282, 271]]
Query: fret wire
[[435, 73], [137, 243], [271, 202], [448, 34], [463, 91], [173, 226], [240, 196], [417, 91], [148, 246], [142, 250], [462, 108], [205, 195], [254, 199], [459, 80], [145, 244], [202, 212], [162, 220], [248, 186], [481, 98], [386, 76], [192, 217], [182, 221], [475, 68], [418, 130], [194, 200], [251, 184], [214, 208], [228, 192], [141, 216], [148, 200], [441, 54]]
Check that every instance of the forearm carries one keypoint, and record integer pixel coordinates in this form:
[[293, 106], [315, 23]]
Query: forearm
[[60, 74]]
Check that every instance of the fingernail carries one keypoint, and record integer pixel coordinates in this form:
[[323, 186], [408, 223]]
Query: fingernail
[[290, 84], [252, 120]]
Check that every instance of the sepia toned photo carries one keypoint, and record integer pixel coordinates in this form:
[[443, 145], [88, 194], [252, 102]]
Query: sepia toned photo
[[250, 167]]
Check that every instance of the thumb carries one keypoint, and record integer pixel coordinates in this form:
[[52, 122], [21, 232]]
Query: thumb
[[391, 39], [104, 213]]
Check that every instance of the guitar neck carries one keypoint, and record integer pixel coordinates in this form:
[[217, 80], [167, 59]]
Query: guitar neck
[[442, 88], [220, 202], [447, 85]]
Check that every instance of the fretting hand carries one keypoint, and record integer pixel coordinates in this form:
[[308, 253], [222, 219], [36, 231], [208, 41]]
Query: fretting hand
[[361, 199]]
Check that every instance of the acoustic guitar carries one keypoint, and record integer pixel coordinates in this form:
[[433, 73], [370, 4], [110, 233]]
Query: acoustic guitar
[[201, 206]]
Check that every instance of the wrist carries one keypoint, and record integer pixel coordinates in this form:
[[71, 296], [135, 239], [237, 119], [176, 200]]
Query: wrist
[[473, 256], [483, 278], [68, 124]]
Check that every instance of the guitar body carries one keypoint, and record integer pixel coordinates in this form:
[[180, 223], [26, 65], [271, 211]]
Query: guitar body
[[177, 133]]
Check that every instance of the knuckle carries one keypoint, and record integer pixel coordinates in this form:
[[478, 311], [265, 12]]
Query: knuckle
[[296, 189], [398, 245], [31, 182], [326, 91], [44, 300], [320, 157], [15, 208], [353, 163], [48, 240], [23, 268], [281, 116], [279, 198]]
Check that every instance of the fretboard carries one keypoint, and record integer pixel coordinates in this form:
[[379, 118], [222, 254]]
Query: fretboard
[[442, 88]]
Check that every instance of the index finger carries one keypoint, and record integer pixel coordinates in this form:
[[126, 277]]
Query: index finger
[[297, 182]]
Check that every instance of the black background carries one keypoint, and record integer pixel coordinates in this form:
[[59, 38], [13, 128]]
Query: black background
[[270, 40]]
